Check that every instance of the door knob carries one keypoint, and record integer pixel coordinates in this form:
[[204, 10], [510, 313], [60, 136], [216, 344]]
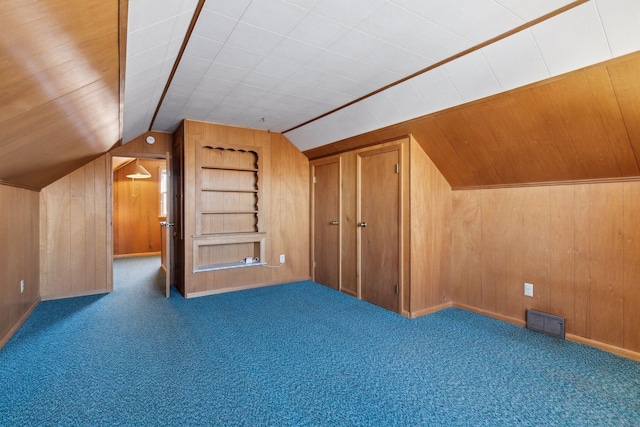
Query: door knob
[[362, 224], [335, 223]]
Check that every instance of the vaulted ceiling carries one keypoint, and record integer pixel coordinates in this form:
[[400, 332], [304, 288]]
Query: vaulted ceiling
[[320, 71]]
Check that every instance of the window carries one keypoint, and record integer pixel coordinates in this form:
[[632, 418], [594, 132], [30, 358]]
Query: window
[[163, 192]]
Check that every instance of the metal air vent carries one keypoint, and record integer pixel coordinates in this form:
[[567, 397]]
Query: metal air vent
[[545, 323]]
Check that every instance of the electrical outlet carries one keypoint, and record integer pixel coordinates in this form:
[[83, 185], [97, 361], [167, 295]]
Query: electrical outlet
[[281, 258], [528, 289], [21, 286]]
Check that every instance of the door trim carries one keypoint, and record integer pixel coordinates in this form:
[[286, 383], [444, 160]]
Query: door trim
[[400, 146], [312, 166]]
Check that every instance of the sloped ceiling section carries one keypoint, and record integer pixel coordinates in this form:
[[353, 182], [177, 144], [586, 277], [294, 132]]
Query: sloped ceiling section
[[60, 99], [280, 64]]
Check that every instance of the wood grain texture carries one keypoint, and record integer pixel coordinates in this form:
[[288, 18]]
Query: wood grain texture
[[429, 232], [61, 85], [578, 245], [75, 257], [326, 209], [136, 210], [19, 257], [284, 207], [631, 291], [577, 126], [379, 202]]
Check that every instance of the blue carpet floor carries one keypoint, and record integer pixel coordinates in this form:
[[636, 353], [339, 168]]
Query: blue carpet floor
[[295, 355]]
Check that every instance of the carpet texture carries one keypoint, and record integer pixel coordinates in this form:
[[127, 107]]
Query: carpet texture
[[297, 354]]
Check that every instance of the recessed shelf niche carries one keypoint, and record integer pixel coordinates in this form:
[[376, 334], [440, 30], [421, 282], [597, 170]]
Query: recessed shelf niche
[[228, 212]]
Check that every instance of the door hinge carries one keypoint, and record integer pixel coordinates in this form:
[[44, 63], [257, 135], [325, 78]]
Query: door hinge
[[397, 290], [397, 168], [314, 179]]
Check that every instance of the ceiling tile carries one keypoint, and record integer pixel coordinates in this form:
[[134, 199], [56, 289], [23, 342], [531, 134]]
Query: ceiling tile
[[621, 21], [318, 30], [211, 84], [516, 60], [274, 15], [437, 90], [382, 108], [227, 72], [350, 12], [194, 65], [295, 51], [277, 67], [528, 10], [231, 8], [146, 59], [143, 13], [238, 58], [572, 40], [262, 81], [407, 100], [308, 136], [214, 26], [202, 47], [147, 38], [476, 21], [427, 39], [254, 39], [472, 77]]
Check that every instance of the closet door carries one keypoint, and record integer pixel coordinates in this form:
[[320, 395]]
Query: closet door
[[379, 232], [326, 177]]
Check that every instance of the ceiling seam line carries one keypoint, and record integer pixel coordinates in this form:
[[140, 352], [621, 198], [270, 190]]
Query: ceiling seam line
[[187, 37], [447, 60]]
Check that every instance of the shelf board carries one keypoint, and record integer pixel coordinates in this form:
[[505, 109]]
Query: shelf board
[[228, 190], [230, 168], [229, 212], [226, 266]]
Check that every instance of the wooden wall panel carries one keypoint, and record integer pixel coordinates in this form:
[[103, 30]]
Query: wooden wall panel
[[578, 245], [61, 87], [631, 291], [136, 210], [606, 261], [75, 236], [578, 126], [485, 296], [19, 258], [466, 247], [349, 227], [429, 233], [284, 210]]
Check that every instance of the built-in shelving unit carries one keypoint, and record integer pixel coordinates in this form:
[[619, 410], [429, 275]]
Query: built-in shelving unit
[[228, 212]]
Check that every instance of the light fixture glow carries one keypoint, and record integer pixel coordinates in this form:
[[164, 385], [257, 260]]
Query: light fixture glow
[[139, 172]]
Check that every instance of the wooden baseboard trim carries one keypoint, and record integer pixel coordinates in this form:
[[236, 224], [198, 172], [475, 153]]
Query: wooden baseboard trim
[[141, 254], [5, 339], [73, 294], [622, 352], [348, 292], [507, 319], [428, 310], [242, 288]]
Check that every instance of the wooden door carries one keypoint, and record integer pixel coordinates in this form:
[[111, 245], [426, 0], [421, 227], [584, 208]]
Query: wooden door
[[168, 249], [326, 222], [379, 226]]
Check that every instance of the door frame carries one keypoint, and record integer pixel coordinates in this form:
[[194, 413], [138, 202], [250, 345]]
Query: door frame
[[399, 145], [312, 165], [138, 155]]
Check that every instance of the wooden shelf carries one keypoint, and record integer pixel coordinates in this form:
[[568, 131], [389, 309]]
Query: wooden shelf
[[227, 168], [229, 190], [226, 266], [229, 212]]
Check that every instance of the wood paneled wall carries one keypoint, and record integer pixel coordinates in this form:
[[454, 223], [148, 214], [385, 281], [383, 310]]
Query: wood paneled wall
[[284, 212], [578, 244], [136, 210], [19, 258], [75, 257], [430, 236]]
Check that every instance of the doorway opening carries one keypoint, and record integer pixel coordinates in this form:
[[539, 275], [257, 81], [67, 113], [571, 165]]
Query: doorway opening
[[139, 212]]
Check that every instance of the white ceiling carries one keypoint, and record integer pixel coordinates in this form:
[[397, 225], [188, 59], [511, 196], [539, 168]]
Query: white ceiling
[[275, 64]]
